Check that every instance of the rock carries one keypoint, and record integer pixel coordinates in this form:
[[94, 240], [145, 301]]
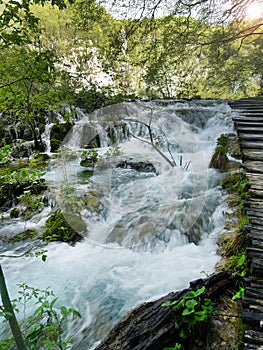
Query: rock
[[57, 134], [64, 227], [11, 240], [14, 213], [11, 191], [22, 149], [219, 161], [24, 235], [145, 167], [227, 144]]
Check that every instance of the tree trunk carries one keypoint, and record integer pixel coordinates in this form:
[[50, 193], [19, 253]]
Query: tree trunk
[[10, 313]]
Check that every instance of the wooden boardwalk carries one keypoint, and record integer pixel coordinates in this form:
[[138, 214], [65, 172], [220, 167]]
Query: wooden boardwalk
[[249, 126]]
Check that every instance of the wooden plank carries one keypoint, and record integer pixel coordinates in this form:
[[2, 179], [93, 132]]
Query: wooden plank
[[252, 317], [249, 136], [254, 252], [254, 281], [257, 266], [252, 155], [253, 166], [253, 337], [255, 186], [255, 308], [250, 129], [251, 145], [257, 193], [254, 177], [254, 212], [252, 301], [252, 228], [253, 292], [257, 243], [255, 236], [257, 221], [247, 121], [254, 203], [252, 347]]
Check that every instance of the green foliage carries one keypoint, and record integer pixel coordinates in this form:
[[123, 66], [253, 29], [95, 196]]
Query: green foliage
[[194, 310], [32, 202], [238, 264], [89, 158], [5, 153], [221, 149], [239, 294], [27, 90], [243, 220], [45, 328], [17, 22], [177, 346], [19, 176], [237, 183], [222, 140]]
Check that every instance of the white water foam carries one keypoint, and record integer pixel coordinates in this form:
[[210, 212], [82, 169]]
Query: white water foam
[[155, 232]]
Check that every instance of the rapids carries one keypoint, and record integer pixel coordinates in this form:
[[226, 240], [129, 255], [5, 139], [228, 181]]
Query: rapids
[[153, 232]]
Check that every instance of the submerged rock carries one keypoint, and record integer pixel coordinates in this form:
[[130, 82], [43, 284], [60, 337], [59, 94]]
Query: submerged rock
[[145, 167]]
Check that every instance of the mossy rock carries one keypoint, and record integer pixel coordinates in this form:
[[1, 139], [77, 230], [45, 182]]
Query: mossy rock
[[57, 134], [227, 144], [14, 213], [92, 200], [24, 235], [55, 144], [64, 227], [219, 160]]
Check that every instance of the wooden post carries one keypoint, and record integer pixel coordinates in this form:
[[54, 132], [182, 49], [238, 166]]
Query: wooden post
[[16, 331]]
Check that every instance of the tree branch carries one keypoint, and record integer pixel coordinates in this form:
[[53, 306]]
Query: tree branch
[[156, 149]]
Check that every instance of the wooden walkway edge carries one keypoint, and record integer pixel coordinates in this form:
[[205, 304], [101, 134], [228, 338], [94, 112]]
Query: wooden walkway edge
[[249, 126]]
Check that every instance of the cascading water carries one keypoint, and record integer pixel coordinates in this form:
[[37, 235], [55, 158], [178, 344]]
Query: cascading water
[[155, 227]]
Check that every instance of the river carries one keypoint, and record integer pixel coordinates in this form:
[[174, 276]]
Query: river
[[155, 228]]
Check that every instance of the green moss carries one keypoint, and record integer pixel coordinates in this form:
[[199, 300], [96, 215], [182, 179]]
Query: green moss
[[14, 213], [57, 135], [222, 140], [55, 144], [64, 227], [24, 235], [221, 150]]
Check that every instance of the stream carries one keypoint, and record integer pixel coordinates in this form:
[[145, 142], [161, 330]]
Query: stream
[[153, 227]]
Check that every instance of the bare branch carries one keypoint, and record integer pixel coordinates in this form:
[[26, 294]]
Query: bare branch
[[156, 149]]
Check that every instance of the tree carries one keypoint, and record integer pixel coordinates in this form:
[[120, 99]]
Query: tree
[[9, 312], [179, 37], [27, 86], [17, 21]]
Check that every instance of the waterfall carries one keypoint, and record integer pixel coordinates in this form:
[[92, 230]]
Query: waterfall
[[155, 226]]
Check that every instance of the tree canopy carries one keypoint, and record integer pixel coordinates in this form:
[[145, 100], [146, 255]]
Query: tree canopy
[[58, 51]]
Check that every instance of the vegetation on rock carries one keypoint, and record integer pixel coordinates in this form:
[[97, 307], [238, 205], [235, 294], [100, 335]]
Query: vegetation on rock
[[62, 230]]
